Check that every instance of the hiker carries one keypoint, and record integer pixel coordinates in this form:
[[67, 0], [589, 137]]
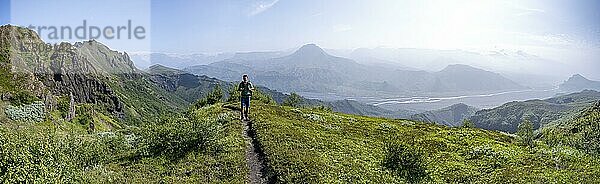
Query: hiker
[[246, 89]]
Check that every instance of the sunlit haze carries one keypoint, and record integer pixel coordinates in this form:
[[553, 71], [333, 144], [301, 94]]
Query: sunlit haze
[[559, 30]]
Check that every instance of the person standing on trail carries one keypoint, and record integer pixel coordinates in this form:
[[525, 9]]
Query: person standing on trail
[[246, 88]]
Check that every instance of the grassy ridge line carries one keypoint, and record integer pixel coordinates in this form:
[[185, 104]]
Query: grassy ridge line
[[312, 146]]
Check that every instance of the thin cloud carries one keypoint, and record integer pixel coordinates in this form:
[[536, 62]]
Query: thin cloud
[[524, 10], [341, 28], [261, 6], [316, 14]]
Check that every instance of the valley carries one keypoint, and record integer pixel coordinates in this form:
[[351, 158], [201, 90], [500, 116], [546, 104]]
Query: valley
[[83, 113], [423, 103]]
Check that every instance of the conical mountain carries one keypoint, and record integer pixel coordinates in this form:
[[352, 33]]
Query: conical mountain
[[577, 83], [310, 50]]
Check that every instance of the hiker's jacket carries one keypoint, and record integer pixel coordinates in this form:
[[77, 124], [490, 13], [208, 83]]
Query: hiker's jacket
[[245, 87]]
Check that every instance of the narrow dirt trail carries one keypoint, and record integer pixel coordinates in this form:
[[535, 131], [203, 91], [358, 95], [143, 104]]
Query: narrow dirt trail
[[253, 157]]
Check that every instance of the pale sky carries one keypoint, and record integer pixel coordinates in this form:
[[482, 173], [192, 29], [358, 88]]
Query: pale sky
[[460, 24], [562, 30]]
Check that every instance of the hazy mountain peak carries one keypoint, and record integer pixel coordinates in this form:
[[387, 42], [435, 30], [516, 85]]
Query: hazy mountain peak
[[310, 50], [160, 69], [578, 77], [577, 82], [459, 67]]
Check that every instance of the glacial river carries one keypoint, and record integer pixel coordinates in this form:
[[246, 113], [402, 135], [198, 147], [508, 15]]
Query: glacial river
[[422, 103]]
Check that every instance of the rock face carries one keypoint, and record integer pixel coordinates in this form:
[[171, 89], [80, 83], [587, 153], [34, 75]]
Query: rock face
[[71, 113], [80, 70], [88, 72], [83, 89]]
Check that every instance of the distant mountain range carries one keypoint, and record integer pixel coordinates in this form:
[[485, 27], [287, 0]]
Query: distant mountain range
[[434, 60], [181, 61], [311, 69], [578, 83], [450, 116], [518, 66], [541, 113]]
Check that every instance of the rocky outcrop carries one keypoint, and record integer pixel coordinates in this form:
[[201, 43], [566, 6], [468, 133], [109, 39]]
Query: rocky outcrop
[[81, 70]]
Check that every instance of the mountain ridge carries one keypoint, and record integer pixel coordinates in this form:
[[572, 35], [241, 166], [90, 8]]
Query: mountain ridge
[[163, 139], [311, 69], [577, 83]]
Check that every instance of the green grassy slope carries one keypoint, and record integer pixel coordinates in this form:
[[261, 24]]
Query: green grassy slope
[[301, 145], [161, 143], [582, 131], [203, 146], [144, 100], [307, 145]]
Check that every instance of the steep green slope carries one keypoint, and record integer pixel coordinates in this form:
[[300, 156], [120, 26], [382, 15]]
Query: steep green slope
[[582, 131], [540, 112], [188, 86], [310, 146]]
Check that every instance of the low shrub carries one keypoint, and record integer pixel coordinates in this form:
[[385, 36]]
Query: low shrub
[[215, 96], [43, 155], [294, 100], [262, 97], [405, 162], [178, 135], [33, 112]]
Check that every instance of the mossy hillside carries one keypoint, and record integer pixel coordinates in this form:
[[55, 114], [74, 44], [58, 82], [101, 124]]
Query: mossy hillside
[[314, 146]]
